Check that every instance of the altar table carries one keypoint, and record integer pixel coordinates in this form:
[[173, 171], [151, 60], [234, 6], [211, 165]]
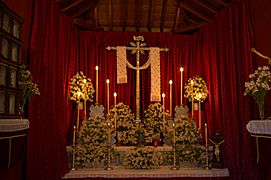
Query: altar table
[[163, 172]]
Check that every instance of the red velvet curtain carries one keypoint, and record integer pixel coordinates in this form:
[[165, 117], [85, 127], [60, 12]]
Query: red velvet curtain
[[53, 57], [220, 53]]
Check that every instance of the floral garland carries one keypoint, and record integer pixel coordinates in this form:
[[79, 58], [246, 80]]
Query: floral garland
[[154, 123], [81, 87], [126, 126], [143, 157], [91, 137], [197, 89]]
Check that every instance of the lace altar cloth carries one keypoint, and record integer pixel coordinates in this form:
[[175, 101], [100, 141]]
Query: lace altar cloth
[[259, 127], [163, 172], [12, 125]]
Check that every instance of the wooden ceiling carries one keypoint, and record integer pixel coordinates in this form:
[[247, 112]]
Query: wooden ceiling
[[175, 16]]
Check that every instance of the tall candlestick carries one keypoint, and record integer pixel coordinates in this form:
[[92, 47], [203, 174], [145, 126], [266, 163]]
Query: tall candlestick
[[115, 110], [192, 83], [181, 69], [170, 98], [73, 139], [73, 149], [206, 135], [174, 136], [97, 83], [200, 110], [78, 111], [109, 134], [107, 86], [84, 97], [85, 109], [164, 119]]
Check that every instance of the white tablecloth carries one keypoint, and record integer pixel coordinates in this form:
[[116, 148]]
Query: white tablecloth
[[259, 127], [12, 125]]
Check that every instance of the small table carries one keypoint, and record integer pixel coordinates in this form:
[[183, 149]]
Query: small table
[[12, 140], [259, 129]]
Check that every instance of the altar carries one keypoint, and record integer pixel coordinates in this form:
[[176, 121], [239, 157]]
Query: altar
[[113, 142]]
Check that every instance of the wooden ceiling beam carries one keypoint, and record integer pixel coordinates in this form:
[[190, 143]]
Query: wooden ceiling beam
[[163, 14], [73, 4], [86, 25], [205, 6], [177, 17], [110, 15], [222, 2], [84, 9], [150, 16], [185, 7], [96, 16], [188, 28], [123, 5], [137, 14]]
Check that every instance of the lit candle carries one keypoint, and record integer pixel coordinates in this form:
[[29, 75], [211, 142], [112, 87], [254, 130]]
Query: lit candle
[[200, 110], [206, 134], [115, 108], [85, 102], [164, 119], [192, 83], [97, 83], [74, 131], [170, 98], [181, 69], [107, 86], [78, 110]]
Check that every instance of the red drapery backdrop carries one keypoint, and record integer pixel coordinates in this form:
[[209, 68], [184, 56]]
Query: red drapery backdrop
[[220, 53]]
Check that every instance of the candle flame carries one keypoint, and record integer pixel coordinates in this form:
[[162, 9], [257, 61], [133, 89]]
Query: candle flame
[[170, 82], [78, 93], [96, 68], [107, 81], [192, 82], [115, 94], [85, 80], [181, 69], [200, 95], [163, 95]]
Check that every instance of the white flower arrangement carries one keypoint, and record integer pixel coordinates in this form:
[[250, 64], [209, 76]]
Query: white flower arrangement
[[89, 156], [143, 157], [28, 87], [191, 153], [194, 153], [126, 126], [90, 147], [81, 87], [258, 85], [198, 89], [187, 137], [154, 123], [259, 82], [186, 131]]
